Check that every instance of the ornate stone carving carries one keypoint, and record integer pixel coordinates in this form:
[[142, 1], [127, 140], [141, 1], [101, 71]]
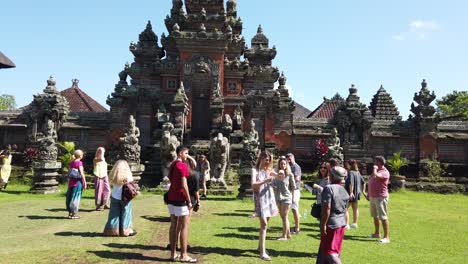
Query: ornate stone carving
[[46, 114], [248, 157], [238, 118], [383, 107], [227, 125], [334, 146], [219, 156], [129, 149], [423, 108], [168, 146]]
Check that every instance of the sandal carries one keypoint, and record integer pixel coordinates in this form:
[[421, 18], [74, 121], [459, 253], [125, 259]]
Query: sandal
[[265, 258], [74, 217], [174, 259], [189, 260]]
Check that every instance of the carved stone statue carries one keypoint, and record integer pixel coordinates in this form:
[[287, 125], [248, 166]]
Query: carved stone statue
[[219, 154], [238, 118], [202, 66], [334, 149], [47, 149], [251, 135], [227, 125], [168, 146], [128, 144]]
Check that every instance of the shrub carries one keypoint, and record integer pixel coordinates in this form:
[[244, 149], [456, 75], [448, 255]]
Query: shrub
[[67, 157], [397, 162], [434, 169]]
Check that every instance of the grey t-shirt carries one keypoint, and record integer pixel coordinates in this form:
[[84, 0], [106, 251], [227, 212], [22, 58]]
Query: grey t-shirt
[[296, 171], [338, 198]]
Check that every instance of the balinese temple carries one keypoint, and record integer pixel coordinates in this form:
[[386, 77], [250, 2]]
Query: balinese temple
[[205, 78]]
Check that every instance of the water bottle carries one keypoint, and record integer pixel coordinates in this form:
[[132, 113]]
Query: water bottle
[[305, 214]]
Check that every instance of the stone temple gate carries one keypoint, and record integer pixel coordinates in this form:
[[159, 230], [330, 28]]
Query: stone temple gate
[[204, 78]]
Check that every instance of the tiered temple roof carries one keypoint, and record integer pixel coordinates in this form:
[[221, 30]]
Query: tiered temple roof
[[383, 107]]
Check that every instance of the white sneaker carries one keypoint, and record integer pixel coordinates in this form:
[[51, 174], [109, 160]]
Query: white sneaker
[[347, 227], [384, 241], [353, 225]]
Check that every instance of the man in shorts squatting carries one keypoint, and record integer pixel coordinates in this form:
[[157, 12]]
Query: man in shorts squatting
[[378, 197], [333, 221], [296, 171], [179, 205]]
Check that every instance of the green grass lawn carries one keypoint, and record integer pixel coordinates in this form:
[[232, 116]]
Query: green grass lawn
[[425, 228]]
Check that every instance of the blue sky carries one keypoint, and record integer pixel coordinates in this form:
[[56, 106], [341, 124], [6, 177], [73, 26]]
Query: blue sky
[[323, 46]]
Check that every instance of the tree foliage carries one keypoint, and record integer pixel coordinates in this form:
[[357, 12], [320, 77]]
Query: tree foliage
[[7, 102], [67, 157], [454, 104]]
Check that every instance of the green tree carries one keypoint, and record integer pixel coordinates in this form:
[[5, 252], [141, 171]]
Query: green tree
[[397, 162], [454, 104], [7, 102], [67, 157]]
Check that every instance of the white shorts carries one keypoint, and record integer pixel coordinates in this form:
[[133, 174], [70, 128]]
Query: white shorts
[[297, 198], [178, 210]]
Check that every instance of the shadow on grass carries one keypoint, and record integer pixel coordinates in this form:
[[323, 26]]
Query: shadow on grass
[[41, 217], [127, 246], [314, 224], [161, 219], [220, 198], [65, 210], [82, 234], [245, 211], [125, 255], [249, 253], [16, 192], [255, 230], [232, 214], [359, 238]]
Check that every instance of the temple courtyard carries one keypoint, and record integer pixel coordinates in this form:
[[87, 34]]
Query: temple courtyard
[[425, 228]]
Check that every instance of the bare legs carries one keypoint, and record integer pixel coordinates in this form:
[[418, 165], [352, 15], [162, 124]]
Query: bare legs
[[354, 205], [204, 187], [179, 228], [297, 225], [385, 225], [284, 209], [262, 237]]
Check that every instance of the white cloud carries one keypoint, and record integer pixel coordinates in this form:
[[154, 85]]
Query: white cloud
[[419, 29], [421, 25]]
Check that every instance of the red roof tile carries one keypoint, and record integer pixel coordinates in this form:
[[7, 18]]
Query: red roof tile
[[79, 101], [326, 110]]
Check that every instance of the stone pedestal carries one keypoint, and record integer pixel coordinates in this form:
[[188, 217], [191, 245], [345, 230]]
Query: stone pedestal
[[218, 188], [163, 186], [45, 177], [137, 170], [245, 179]]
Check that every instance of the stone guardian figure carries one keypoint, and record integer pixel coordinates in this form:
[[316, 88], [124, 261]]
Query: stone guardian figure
[[219, 155]]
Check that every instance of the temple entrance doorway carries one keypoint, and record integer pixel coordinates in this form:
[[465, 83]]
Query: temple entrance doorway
[[201, 118], [201, 89]]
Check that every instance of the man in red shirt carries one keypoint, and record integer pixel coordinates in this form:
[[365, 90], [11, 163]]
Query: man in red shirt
[[179, 205], [378, 197]]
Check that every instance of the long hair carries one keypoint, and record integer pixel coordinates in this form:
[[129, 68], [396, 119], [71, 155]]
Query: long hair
[[287, 170], [261, 157], [120, 172], [323, 165], [99, 156], [354, 165]]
